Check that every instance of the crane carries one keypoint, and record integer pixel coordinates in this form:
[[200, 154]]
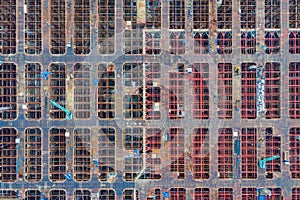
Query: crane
[[262, 163]]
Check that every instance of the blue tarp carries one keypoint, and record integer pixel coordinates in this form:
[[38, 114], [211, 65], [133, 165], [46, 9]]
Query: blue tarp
[[166, 194], [237, 147]]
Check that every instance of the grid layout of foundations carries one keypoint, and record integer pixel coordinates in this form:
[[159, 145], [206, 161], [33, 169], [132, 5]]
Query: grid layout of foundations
[[150, 99]]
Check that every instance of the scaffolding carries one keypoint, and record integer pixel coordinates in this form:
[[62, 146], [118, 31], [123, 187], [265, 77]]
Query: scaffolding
[[176, 152], [106, 26], [225, 194], [58, 27], [225, 94], [294, 18], [82, 154], [177, 193], [58, 88], [82, 90], [33, 27], [249, 193], [200, 155], [108, 194], [200, 80], [33, 91], [248, 91], [294, 151], [202, 193], [176, 93], [272, 90], [273, 148], [82, 32], [132, 194], [225, 153], [8, 91], [249, 153], [33, 154], [294, 89], [58, 154], [82, 194], [55, 194], [8, 21], [33, 195], [106, 153], [8, 154]]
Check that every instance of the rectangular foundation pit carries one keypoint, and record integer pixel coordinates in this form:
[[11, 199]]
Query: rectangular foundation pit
[[8, 155], [33, 154], [106, 98], [248, 91], [8, 21], [200, 81], [33, 195], [294, 152], [106, 153], [200, 155], [82, 90], [58, 89], [33, 27], [82, 154], [83, 194], [107, 194], [82, 32], [225, 153], [56, 194], [273, 148], [8, 194], [8, 91], [249, 153], [177, 193], [272, 90], [202, 193], [106, 26], [176, 93], [130, 194], [58, 154], [225, 194], [58, 27], [33, 91], [225, 93], [133, 144], [294, 88], [176, 153]]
